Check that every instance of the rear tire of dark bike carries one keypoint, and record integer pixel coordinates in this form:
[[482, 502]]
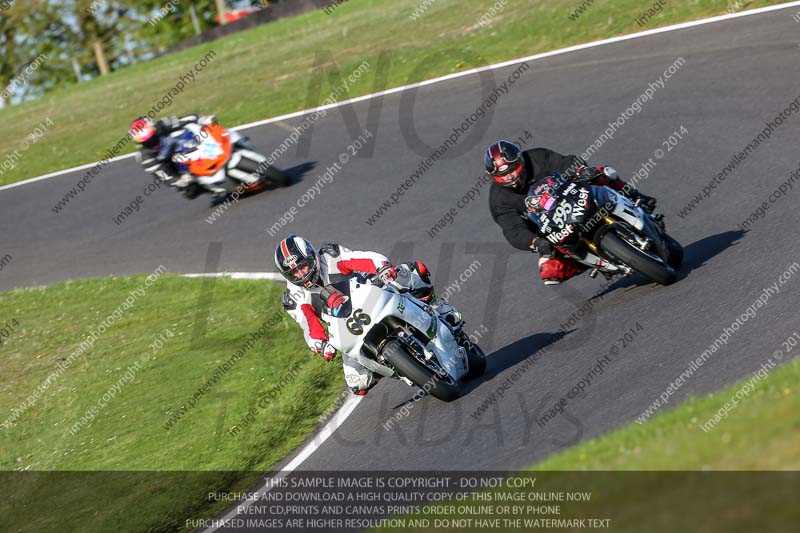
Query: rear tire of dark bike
[[407, 366], [675, 252], [638, 260]]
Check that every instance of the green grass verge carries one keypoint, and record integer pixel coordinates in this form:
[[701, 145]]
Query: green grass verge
[[656, 476], [128, 433], [761, 433], [267, 71]]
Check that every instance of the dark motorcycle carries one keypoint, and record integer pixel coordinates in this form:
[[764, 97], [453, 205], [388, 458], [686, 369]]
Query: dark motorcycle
[[603, 230]]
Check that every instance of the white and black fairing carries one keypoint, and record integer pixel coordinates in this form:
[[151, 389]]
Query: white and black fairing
[[373, 314]]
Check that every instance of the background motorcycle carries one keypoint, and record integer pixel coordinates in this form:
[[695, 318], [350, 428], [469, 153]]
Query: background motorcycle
[[223, 161], [603, 230], [395, 335]]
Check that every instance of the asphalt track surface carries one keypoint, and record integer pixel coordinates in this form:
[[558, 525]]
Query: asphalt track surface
[[737, 75]]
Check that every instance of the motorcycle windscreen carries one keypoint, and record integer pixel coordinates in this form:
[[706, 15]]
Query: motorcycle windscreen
[[602, 197]]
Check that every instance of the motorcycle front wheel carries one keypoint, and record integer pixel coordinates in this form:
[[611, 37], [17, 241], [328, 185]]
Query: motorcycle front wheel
[[637, 259], [476, 359], [675, 252], [407, 366]]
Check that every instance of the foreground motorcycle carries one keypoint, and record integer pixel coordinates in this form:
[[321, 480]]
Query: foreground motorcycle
[[603, 230], [395, 335], [223, 161]]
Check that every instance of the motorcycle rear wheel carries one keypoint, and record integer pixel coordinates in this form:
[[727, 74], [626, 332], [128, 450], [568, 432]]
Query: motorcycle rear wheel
[[407, 366], [638, 260], [266, 172]]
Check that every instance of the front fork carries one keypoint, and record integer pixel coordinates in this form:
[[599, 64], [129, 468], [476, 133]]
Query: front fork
[[601, 265]]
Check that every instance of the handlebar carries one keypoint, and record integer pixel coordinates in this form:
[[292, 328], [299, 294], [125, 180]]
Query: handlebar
[[375, 281], [366, 278]]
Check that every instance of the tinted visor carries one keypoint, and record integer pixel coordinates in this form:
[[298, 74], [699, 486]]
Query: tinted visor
[[508, 175], [301, 270]]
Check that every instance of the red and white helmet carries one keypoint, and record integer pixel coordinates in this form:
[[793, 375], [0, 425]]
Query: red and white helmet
[[503, 162], [298, 261], [143, 129]]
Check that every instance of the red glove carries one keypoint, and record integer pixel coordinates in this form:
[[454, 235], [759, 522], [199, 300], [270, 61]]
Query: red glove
[[387, 273], [325, 350], [555, 270], [542, 246], [584, 173], [335, 299]]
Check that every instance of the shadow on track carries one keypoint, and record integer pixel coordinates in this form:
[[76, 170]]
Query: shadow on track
[[298, 171], [295, 173], [516, 352], [502, 359], [699, 252]]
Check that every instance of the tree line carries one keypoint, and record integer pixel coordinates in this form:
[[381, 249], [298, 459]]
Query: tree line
[[47, 44]]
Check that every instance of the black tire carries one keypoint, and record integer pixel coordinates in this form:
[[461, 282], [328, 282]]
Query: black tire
[[477, 361], [395, 353], [638, 260], [675, 252]]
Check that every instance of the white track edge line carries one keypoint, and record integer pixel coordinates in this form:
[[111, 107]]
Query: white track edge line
[[239, 275], [574, 48]]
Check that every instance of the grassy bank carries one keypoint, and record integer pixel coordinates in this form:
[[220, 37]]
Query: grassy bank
[[760, 433], [269, 70], [219, 347]]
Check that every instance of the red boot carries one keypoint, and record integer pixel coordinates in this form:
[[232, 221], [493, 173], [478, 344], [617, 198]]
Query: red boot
[[554, 270]]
